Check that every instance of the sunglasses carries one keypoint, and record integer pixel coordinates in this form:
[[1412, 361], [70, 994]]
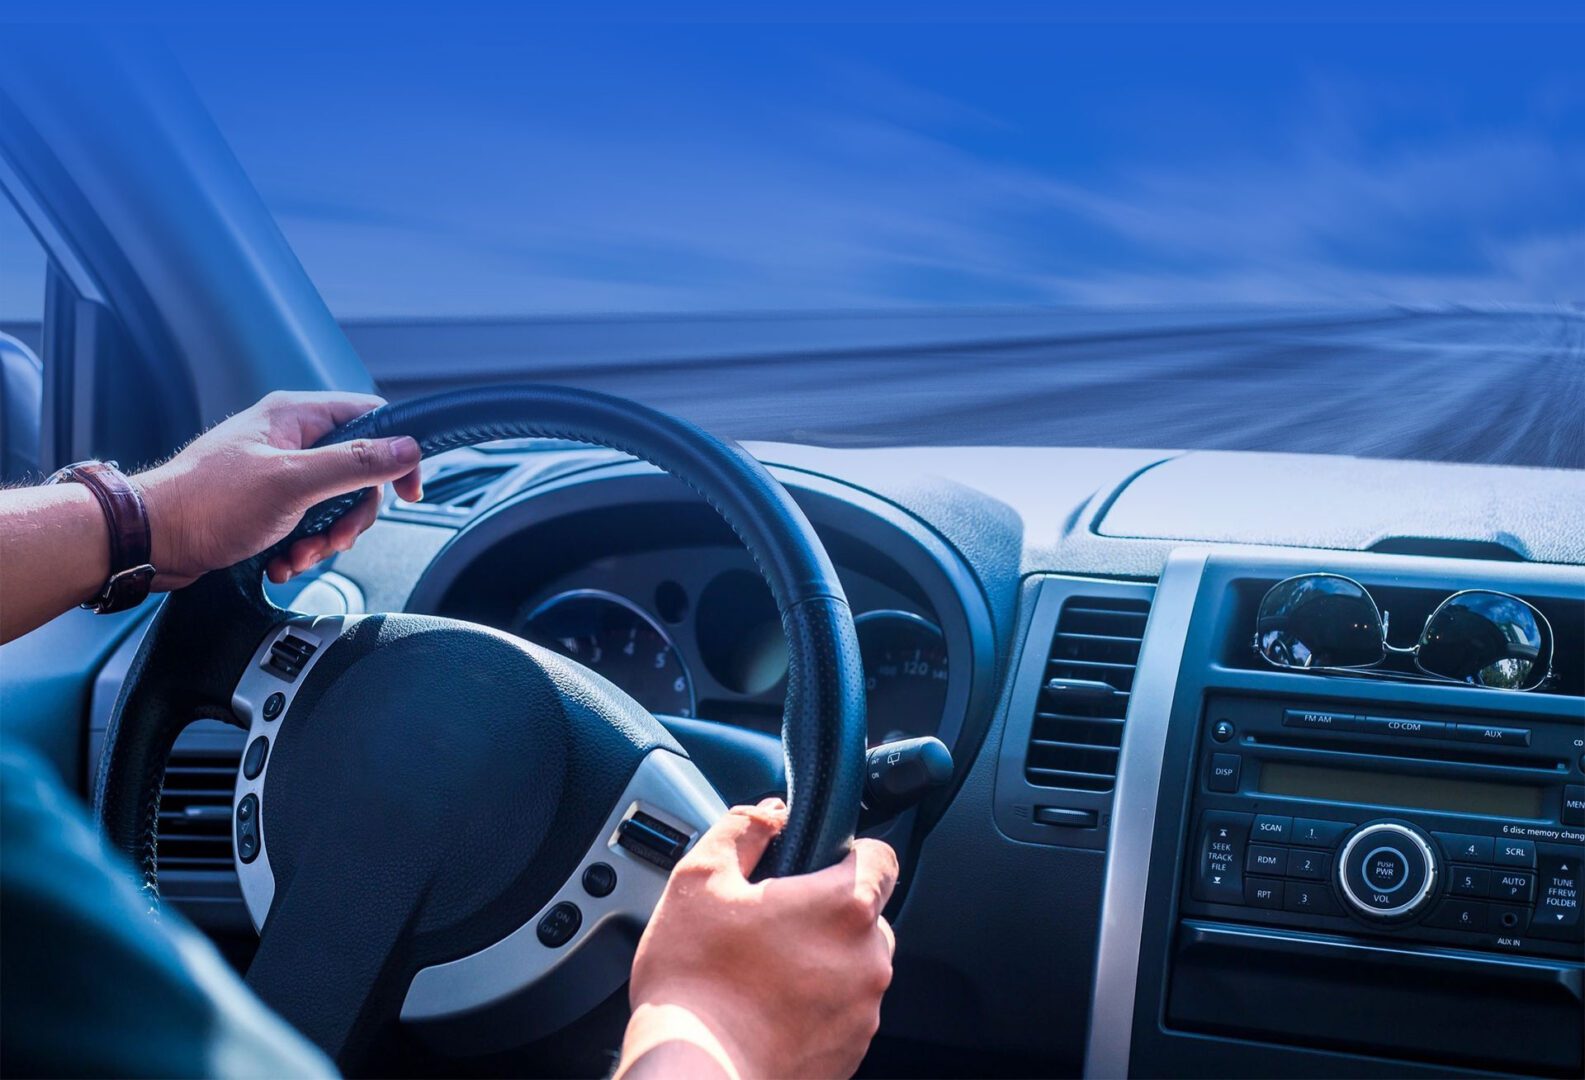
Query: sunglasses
[[1327, 622]]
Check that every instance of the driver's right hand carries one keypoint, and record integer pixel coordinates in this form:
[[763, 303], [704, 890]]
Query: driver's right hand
[[781, 977]]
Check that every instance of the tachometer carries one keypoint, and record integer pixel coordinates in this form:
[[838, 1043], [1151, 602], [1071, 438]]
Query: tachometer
[[905, 674], [613, 636]]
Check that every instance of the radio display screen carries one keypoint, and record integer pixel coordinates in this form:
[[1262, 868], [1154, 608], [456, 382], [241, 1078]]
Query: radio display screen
[[1410, 792]]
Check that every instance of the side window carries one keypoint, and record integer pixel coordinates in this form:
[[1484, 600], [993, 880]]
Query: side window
[[22, 266]]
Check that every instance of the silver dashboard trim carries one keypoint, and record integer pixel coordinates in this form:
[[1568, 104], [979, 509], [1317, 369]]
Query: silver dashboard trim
[[1134, 815]]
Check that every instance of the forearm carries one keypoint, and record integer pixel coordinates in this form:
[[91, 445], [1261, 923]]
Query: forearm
[[54, 554], [665, 1041]]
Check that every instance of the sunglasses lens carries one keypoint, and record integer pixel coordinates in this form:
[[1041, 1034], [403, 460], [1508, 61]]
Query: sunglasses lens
[[1487, 639], [1319, 620]]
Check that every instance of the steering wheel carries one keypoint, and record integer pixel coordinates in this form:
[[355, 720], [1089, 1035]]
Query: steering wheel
[[439, 822]]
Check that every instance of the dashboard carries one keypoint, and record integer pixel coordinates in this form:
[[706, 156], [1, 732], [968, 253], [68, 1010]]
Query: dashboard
[[1075, 626]]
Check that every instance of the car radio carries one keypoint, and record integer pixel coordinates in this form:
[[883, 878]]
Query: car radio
[[1352, 820]]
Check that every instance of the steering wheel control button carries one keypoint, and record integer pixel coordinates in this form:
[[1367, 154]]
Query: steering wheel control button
[[253, 760], [1314, 832], [1461, 848], [288, 656], [558, 925], [1470, 881], [1515, 853], [1387, 871], [652, 840], [599, 879], [1223, 773], [1219, 868], [248, 828], [1309, 898], [273, 705], [1267, 860]]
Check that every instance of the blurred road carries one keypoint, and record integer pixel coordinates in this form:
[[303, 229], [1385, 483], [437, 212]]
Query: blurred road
[[1452, 386]]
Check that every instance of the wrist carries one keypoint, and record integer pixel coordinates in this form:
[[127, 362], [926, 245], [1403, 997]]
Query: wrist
[[673, 1039], [84, 521], [688, 1010], [161, 489]]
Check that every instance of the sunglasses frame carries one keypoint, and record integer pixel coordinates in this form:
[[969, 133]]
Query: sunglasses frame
[[1389, 649]]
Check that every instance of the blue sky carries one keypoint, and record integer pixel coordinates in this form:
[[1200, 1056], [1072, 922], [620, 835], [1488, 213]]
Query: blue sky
[[481, 166]]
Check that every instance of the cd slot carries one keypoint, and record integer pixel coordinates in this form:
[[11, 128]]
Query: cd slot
[[1416, 752]]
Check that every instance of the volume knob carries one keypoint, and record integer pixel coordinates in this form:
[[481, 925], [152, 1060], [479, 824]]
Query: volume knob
[[1387, 871]]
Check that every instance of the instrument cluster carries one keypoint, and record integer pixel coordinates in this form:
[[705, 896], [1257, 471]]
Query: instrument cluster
[[686, 640]]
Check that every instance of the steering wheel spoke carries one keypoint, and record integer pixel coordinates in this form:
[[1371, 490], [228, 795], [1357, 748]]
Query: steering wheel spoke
[[263, 696], [575, 951]]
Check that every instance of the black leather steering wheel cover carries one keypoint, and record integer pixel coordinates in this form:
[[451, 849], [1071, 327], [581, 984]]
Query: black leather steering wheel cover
[[184, 669], [823, 725]]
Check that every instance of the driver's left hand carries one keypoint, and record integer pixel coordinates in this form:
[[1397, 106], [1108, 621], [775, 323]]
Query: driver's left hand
[[245, 483]]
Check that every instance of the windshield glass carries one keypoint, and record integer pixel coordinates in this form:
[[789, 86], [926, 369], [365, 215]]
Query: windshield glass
[[1324, 236]]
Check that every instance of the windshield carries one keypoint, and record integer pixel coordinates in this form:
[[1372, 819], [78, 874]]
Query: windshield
[[1320, 236]]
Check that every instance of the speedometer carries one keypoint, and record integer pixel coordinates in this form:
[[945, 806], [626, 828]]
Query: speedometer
[[615, 637], [905, 674]]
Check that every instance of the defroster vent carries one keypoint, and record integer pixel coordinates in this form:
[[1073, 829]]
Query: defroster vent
[[1078, 723]]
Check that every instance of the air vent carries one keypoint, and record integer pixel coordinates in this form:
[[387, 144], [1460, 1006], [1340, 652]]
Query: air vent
[[1078, 724], [461, 489], [195, 812]]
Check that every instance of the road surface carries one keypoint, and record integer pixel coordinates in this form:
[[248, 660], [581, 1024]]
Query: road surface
[[1506, 387]]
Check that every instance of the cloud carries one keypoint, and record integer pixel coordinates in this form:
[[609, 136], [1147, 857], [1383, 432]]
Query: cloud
[[870, 190]]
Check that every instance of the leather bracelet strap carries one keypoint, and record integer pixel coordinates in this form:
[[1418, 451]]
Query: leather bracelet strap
[[131, 542]]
